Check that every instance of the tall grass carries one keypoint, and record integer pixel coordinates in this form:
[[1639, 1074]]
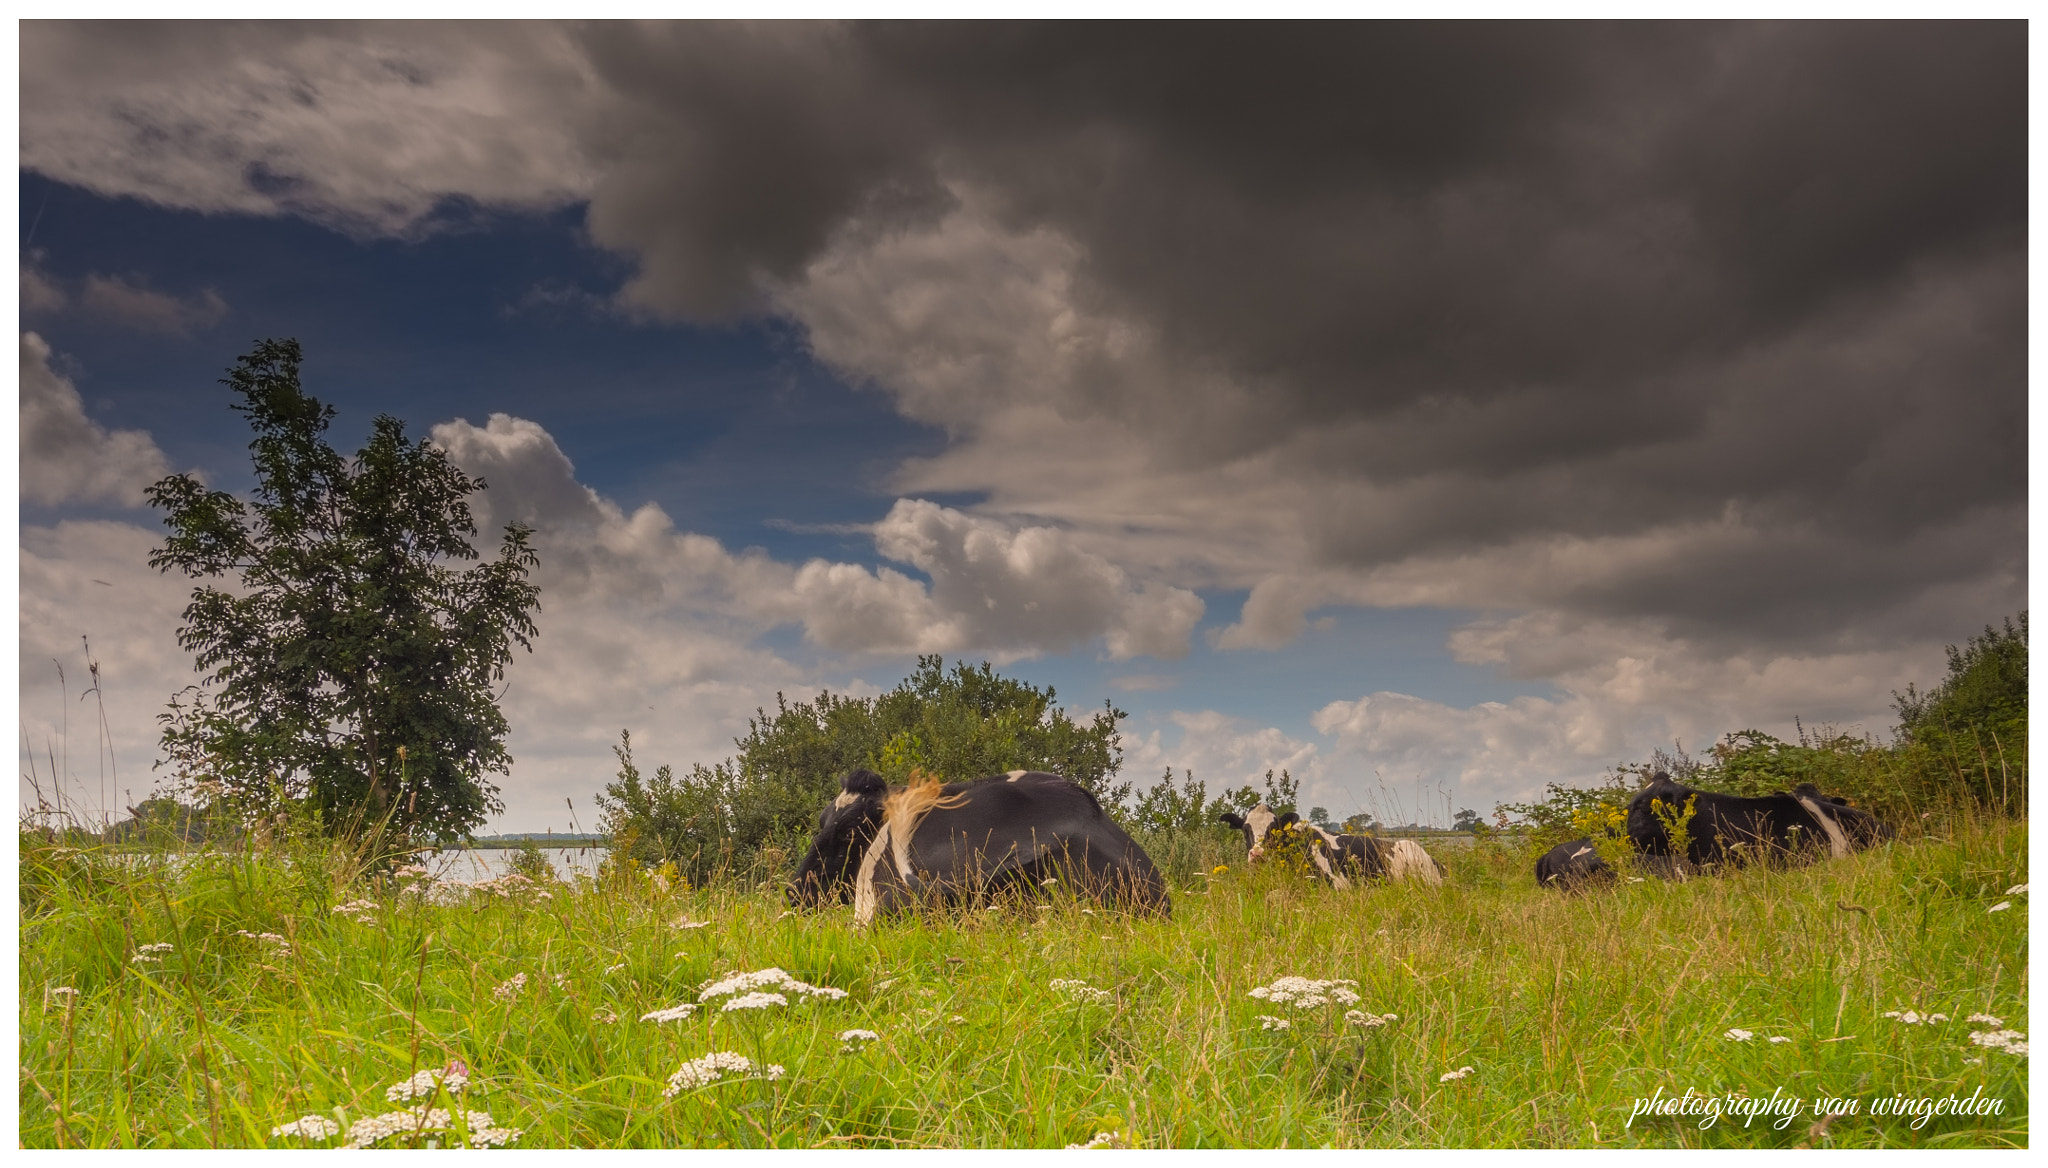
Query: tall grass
[[1567, 1007]]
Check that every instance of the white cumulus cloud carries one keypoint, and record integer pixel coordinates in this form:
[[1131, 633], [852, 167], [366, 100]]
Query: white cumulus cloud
[[67, 457]]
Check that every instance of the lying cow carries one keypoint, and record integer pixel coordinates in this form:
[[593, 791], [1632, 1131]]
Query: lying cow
[[888, 847], [1572, 865], [1722, 827], [1337, 856]]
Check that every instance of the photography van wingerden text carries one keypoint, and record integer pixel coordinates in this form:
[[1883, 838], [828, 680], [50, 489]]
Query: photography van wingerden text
[[1782, 1109]]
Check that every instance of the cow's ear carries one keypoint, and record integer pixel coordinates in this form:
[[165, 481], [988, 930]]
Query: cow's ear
[[863, 782], [1231, 819]]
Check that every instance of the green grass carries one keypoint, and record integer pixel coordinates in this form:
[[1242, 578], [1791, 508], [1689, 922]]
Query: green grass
[[1567, 1007]]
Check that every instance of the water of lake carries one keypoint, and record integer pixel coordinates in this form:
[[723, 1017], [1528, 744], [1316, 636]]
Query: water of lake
[[476, 865]]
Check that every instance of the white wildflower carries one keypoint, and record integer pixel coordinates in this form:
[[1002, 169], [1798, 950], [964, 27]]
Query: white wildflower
[[63, 992], [311, 1127], [2012, 1042], [510, 989], [2001, 906], [852, 1039], [1077, 990], [454, 1076], [2016, 890], [1306, 994], [711, 1068], [1268, 1022], [543, 896], [1368, 1019], [1779, 1038], [758, 1000], [740, 983], [1107, 1139], [1460, 1073], [364, 1132], [1914, 1018], [605, 1015], [1738, 1034], [671, 1014], [493, 1137], [1991, 1019], [612, 969]]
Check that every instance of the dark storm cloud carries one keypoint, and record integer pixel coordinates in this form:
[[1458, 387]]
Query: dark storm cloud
[[1465, 285], [1580, 279]]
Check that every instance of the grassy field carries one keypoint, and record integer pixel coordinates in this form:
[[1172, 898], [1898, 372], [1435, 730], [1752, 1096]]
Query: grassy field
[[1567, 1009]]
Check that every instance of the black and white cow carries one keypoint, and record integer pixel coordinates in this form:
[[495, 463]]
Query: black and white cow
[[887, 848], [1572, 865], [1339, 857], [1799, 822]]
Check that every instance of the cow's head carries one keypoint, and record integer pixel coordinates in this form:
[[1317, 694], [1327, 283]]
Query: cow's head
[[845, 828], [1862, 828], [1254, 824]]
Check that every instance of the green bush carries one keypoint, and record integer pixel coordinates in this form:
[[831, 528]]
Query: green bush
[[958, 725]]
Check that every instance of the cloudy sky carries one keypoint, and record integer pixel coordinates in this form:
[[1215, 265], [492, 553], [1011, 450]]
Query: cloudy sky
[[1433, 410]]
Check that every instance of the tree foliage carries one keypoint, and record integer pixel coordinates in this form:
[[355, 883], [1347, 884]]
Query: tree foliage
[[1167, 809], [958, 724], [347, 661]]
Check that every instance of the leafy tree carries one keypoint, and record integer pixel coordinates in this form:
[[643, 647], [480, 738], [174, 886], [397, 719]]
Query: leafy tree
[[347, 662], [960, 724], [1986, 689], [1465, 820]]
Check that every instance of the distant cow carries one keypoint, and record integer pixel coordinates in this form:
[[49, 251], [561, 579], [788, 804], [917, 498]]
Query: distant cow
[[1572, 865], [1339, 856], [888, 847], [1723, 827]]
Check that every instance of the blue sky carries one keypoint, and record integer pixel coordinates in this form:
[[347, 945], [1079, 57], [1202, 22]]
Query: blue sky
[[1434, 447]]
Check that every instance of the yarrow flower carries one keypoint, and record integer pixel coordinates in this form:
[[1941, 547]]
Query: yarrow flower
[[283, 946], [362, 910], [1106, 1139], [1077, 990], [454, 1076], [852, 1039], [758, 1000], [1779, 1038], [711, 1068], [671, 1014], [740, 983], [2012, 1042], [510, 989], [311, 1127], [1993, 1019], [1368, 1019], [605, 1015], [433, 1121], [1305, 994], [1448, 1076], [147, 953], [1269, 1022], [1738, 1034], [1911, 1018]]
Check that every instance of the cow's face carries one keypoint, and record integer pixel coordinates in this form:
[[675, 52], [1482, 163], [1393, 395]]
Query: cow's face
[[845, 828], [1254, 824]]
